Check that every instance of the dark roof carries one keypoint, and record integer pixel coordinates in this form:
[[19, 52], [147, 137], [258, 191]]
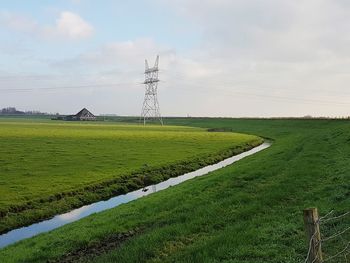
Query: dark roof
[[84, 112]]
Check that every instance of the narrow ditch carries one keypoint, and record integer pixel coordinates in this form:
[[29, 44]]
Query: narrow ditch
[[76, 214]]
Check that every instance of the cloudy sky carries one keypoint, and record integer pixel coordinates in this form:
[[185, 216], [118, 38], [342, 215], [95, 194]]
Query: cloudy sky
[[217, 57]]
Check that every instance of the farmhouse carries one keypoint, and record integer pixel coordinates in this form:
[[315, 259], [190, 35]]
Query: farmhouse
[[83, 115]]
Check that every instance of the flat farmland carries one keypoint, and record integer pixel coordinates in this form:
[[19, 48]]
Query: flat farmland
[[48, 167], [249, 212]]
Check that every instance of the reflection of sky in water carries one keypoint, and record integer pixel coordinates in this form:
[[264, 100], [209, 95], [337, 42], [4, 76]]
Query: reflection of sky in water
[[76, 214]]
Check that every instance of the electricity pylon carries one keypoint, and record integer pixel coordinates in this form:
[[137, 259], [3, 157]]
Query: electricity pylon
[[150, 108]]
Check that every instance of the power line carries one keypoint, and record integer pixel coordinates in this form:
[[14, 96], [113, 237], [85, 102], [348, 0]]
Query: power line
[[64, 87], [180, 76], [221, 89], [291, 99]]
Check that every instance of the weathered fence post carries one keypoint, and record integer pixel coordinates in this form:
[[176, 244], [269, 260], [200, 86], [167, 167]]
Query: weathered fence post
[[312, 228]]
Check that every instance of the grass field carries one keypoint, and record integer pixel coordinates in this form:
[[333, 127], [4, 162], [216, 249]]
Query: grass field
[[48, 167], [248, 212]]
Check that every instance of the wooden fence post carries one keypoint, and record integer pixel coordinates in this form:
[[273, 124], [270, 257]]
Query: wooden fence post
[[312, 228]]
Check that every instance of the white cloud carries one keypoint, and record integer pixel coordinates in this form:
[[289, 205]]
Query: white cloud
[[68, 26], [123, 55], [272, 49], [73, 26]]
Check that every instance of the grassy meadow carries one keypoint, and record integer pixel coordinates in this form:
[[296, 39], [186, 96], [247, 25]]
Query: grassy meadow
[[48, 167], [247, 212]]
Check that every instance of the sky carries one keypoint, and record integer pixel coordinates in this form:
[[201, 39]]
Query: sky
[[218, 58]]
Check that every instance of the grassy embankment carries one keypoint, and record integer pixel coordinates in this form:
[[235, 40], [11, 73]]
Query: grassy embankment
[[247, 212], [48, 167]]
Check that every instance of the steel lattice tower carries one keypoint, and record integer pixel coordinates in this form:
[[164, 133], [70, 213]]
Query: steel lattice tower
[[150, 108]]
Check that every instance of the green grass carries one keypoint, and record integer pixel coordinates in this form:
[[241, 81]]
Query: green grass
[[247, 212], [48, 167]]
